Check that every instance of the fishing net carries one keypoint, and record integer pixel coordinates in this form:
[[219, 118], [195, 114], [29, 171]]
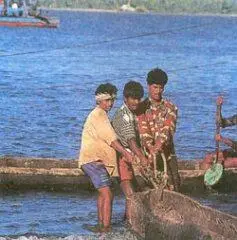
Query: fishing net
[[152, 174]]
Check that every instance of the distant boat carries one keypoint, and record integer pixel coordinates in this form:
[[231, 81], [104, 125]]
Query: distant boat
[[17, 14], [29, 22]]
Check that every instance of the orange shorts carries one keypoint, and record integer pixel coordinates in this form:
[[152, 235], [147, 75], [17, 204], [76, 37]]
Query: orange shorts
[[125, 169]]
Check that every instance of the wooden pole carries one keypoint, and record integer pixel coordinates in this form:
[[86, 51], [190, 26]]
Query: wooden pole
[[218, 118]]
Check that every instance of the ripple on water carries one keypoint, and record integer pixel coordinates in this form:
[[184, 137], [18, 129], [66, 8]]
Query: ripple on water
[[115, 235]]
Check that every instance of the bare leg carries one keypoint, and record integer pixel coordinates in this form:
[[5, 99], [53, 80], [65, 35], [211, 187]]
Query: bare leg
[[230, 162], [174, 173], [100, 208], [105, 207], [128, 190]]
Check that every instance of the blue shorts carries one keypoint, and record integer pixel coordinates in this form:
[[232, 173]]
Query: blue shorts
[[98, 174]]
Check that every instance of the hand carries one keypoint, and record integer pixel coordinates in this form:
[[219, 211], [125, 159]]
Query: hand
[[154, 149], [129, 157], [145, 161], [219, 101], [218, 137]]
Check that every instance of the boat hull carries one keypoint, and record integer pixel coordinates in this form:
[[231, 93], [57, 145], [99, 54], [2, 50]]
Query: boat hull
[[28, 22], [64, 175], [157, 214]]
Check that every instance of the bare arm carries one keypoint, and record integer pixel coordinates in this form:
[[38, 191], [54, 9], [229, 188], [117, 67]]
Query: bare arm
[[227, 141], [137, 151], [230, 143], [225, 122], [119, 148], [231, 121]]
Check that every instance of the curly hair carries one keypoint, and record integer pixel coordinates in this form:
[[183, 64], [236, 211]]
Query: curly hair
[[133, 89], [157, 76], [106, 88]]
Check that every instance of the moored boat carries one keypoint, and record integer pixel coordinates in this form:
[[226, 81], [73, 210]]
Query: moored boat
[[155, 214], [18, 14], [59, 174], [28, 22]]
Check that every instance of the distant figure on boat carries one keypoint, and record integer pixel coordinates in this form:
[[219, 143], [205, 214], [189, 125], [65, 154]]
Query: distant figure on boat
[[14, 8], [33, 8], [227, 157], [157, 123]]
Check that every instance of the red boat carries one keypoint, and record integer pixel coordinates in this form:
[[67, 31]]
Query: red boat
[[16, 13]]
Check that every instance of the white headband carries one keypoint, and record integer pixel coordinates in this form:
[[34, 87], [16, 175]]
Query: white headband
[[104, 96]]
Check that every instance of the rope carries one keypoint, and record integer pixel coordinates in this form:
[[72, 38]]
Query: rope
[[165, 176], [107, 41]]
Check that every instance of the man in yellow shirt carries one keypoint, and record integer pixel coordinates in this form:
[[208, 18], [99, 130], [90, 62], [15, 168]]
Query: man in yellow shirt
[[98, 152]]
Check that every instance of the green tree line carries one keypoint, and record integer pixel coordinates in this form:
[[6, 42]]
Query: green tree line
[[172, 6]]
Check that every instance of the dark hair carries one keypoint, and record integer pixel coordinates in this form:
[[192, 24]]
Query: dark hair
[[106, 88], [157, 76], [133, 89]]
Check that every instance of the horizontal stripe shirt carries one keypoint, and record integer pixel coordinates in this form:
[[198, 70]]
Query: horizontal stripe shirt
[[124, 125]]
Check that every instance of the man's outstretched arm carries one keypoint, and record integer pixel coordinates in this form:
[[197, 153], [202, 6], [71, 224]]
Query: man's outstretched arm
[[229, 142]]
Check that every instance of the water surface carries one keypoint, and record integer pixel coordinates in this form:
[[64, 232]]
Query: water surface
[[45, 96]]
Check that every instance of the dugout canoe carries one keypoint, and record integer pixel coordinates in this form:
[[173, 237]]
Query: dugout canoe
[[155, 214], [64, 175], [171, 215]]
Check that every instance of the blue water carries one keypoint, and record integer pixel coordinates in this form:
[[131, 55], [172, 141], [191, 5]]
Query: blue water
[[45, 97], [55, 215], [46, 94]]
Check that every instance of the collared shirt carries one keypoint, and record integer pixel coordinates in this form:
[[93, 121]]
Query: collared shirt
[[97, 136], [227, 122], [157, 122], [124, 125], [231, 121]]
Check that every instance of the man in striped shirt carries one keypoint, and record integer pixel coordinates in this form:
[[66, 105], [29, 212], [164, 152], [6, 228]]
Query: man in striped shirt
[[124, 123]]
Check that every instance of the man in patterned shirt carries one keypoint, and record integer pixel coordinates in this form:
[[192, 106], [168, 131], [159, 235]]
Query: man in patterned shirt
[[157, 123], [228, 156], [125, 128]]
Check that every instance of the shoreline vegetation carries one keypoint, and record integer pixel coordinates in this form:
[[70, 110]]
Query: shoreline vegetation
[[228, 7]]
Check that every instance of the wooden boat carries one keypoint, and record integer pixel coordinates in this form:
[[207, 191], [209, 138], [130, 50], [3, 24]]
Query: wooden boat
[[59, 174], [164, 215], [18, 14], [43, 22], [155, 214]]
